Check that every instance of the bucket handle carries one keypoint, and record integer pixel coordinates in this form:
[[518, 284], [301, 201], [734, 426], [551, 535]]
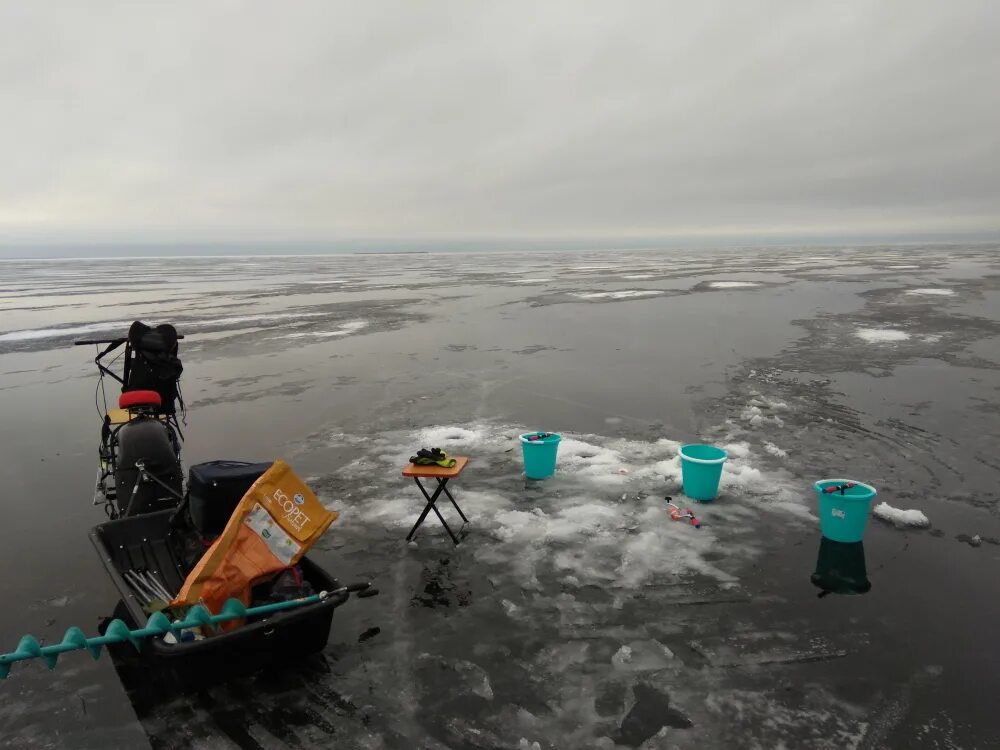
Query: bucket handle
[[840, 488]]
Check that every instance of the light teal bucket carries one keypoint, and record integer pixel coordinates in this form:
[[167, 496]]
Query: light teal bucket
[[843, 515], [540, 454], [701, 470]]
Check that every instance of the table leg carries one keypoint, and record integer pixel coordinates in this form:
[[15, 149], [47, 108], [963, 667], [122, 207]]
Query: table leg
[[445, 488], [431, 499]]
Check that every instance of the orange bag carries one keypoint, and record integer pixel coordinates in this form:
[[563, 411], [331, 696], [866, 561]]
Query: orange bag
[[278, 519]]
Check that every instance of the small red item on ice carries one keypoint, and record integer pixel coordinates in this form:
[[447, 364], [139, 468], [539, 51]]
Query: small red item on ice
[[676, 514]]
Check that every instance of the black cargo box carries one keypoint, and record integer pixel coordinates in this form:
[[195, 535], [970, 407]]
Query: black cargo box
[[215, 488], [144, 542]]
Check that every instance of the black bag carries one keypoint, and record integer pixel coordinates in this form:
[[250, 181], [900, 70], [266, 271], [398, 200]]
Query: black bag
[[151, 363], [287, 585], [215, 489]]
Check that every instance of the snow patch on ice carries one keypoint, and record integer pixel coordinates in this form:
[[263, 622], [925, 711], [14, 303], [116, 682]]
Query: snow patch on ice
[[881, 335], [733, 284], [345, 329], [624, 294], [45, 333], [529, 281], [775, 450], [900, 518], [436, 437], [642, 656], [575, 526], [756, 416], [738, 450], [639, 276], [937, 291]]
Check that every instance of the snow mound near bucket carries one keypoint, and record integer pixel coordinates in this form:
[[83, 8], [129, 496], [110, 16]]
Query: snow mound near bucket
[[900, 518]]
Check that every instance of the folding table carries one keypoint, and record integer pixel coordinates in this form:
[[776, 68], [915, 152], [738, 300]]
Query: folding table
[[442, 475]]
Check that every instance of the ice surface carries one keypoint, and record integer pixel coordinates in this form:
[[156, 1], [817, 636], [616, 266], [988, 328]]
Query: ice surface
[[624, 294], [529, 281], [900, 518], [266, 317], [733, 284], [639, 276], [803, 718], [881, 335], [937, 291], [575, 526]]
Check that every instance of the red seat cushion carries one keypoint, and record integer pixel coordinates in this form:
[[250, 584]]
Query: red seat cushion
[[130, 399]]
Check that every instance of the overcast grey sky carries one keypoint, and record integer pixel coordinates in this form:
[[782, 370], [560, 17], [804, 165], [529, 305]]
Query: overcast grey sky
[[223, 120]]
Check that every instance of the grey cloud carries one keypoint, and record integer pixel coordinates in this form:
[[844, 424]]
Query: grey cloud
[[322, 120]]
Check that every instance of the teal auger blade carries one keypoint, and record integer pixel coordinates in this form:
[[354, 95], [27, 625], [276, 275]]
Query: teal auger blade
[[30, 646], [158, 624], [118, 632], [233, 609], [76, 640], [197, 616]]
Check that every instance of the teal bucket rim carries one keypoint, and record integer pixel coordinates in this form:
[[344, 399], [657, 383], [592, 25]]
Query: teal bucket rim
[[554, 437], [692, 459], [819, 489]]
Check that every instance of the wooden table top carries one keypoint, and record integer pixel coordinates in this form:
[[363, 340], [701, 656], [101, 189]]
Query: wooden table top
[[435, 471]]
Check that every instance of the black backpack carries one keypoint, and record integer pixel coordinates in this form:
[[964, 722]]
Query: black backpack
[[151, 363]]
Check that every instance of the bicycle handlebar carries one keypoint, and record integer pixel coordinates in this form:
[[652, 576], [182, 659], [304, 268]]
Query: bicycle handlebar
[[123, 339]]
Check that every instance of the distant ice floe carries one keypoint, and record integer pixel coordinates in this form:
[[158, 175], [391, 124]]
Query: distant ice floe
[[733, 284], [900, 518], [639, 276], [529, 281], [881, 335], [602, 517], [121, 326], [936, 291], [904, 268], [624, 294]]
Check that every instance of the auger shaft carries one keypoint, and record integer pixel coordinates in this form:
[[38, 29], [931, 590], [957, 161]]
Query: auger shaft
[[158, 624]]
